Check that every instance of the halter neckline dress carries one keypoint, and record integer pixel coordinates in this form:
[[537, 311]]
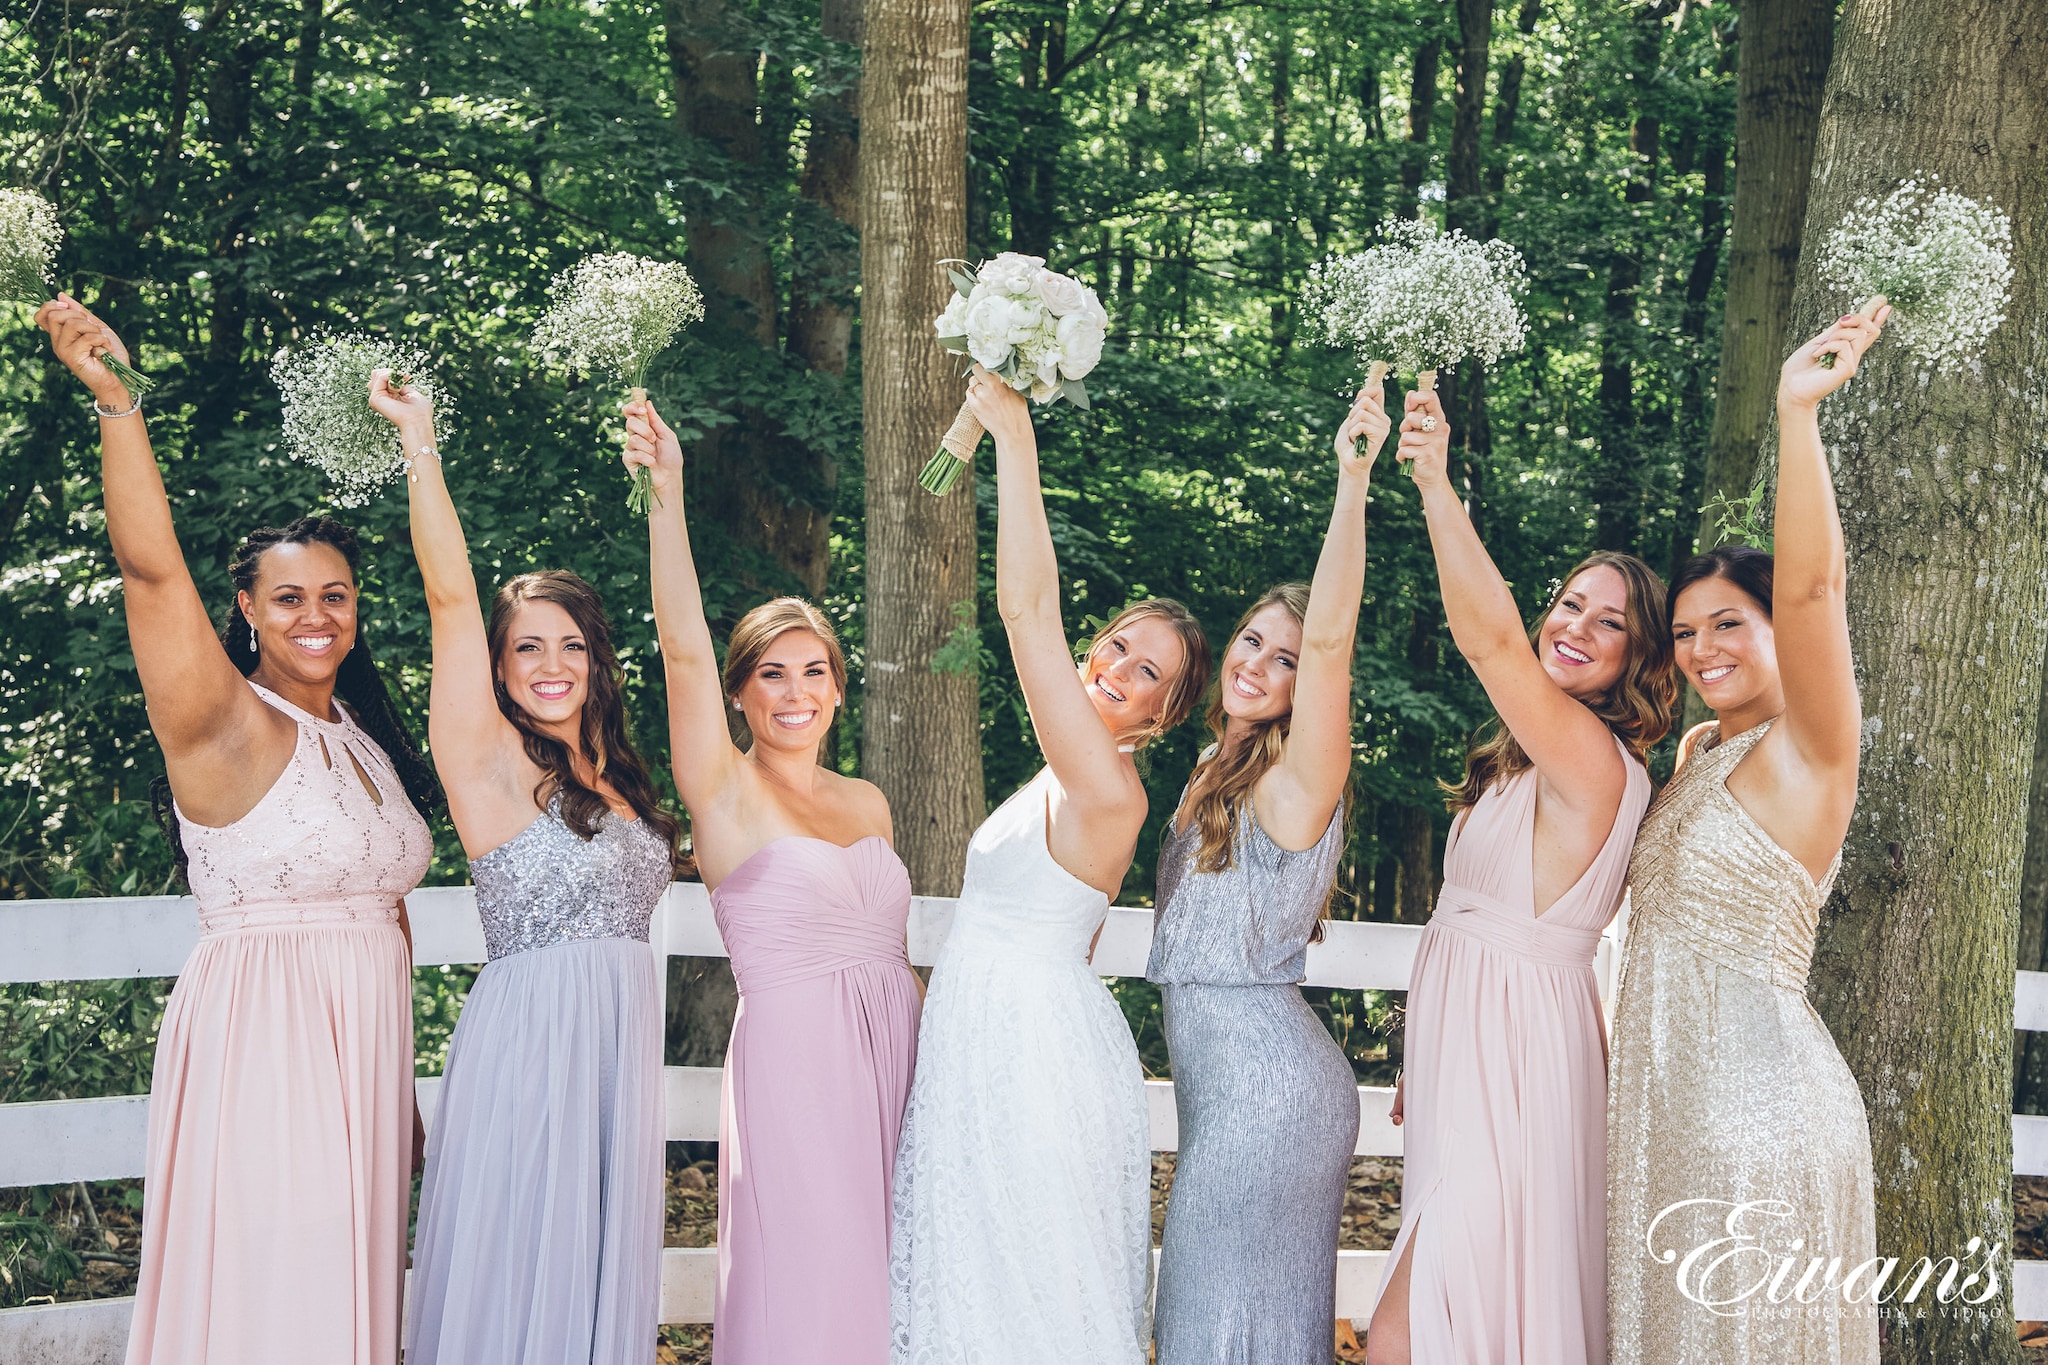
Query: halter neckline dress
[[280, 1115]]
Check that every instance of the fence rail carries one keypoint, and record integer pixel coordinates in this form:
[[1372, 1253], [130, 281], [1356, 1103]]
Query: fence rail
[[59, 1141]]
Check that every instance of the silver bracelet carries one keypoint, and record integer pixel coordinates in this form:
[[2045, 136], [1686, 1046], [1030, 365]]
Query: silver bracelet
[[134, 406], [426, 452]]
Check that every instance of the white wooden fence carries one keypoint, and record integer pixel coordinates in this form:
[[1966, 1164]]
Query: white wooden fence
[[59, 1141]]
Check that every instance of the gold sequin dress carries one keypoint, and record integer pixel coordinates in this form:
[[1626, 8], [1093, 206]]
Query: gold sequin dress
[[1725, 1086]]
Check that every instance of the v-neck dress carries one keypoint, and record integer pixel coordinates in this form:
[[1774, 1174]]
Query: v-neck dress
[[1504, 1176]]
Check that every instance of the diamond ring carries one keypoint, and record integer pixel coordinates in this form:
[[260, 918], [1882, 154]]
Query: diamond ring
[[1428, 424]]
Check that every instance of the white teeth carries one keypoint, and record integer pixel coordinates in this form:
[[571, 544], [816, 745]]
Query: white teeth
[[794, 718], [312, 641], [1106, 690], [552, 690], [1574, 655], [1243, 688], [1716, 674]]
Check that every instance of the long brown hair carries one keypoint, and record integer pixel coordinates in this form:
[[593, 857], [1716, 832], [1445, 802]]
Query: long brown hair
[[605, 738], [1637, 709], [1193, 679], [759, 629]]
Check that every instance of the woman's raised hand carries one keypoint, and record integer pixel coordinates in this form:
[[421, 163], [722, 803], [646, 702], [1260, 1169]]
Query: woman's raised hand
[[409, 409], [1367, 422], [650, 445], [1804, 381], [998, 407], [1426, 440], [78, 337]]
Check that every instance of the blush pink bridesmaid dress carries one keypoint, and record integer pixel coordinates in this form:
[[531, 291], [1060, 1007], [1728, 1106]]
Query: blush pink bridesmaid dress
[[1504, 1184], [815, 1083], [280, 1112]]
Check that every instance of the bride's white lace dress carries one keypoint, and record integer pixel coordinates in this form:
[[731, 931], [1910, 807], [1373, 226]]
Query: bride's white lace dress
[[1022, 1197]]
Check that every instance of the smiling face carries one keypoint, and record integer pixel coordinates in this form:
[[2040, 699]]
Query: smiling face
[[790, 698], [303, 610], [1258, 668], [544, 664], [1724, 644], [1130, 674], [1583, 644]]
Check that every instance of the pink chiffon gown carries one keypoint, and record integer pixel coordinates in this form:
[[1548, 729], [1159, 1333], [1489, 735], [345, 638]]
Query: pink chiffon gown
[[1504, 1183], [815, 1083], [280, 1115]]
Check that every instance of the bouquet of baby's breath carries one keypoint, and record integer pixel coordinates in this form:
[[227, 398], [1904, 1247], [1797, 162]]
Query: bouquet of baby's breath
[[328, 420], [1941, 259], [1421, 301], [29, 237], [1035, 329], [613, 314]]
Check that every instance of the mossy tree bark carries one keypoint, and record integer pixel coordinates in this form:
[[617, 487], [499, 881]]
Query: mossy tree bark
[[920, 729], [1943, 484]]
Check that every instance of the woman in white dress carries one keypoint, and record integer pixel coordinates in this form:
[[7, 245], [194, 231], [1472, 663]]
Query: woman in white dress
[[1022, 1201]]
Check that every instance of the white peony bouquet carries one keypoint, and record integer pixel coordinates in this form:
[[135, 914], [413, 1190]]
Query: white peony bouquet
[[1039, 331], [1421, 301], [30, 234], [614, 313], [328, 420], [1941, 259]]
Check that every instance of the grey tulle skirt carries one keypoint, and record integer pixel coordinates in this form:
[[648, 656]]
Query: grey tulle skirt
[[1268, 1120], [540, 1223]]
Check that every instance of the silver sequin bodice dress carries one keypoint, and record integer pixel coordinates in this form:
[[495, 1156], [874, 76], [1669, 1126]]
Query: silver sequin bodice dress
[[540, 1222], [1267, 1104], [1725, 1086]]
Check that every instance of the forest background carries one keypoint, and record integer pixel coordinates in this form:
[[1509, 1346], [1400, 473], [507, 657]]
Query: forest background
[[237, 173]]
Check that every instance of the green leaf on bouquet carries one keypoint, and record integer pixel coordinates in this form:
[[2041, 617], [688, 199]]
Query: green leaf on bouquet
[[962, 280], [957, 345], [1073, 392]]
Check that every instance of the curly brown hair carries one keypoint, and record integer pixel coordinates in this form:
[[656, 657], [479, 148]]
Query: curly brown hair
[[1637, 709], [606, 737]]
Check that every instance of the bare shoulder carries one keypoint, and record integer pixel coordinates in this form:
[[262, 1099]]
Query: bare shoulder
[[865, 798], [1691, 739]]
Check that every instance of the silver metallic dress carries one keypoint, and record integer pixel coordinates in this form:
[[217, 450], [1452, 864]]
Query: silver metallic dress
[[540, 1223], [1267, 1101], [1725, 1087]]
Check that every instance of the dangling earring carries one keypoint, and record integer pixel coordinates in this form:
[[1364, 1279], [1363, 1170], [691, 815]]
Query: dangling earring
[[252, 637]]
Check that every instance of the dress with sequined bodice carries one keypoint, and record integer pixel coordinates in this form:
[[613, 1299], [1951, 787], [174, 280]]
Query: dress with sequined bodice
[[1725, 1086], [541, 1205], [280, 1115]]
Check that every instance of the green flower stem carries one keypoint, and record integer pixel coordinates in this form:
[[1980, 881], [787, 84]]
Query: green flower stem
[[941, 472]]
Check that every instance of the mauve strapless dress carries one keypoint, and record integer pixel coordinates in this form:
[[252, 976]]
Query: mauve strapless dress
[[815, 1083]]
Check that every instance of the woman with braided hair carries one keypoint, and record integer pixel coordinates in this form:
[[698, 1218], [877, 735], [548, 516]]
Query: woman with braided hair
[[281, 1102]]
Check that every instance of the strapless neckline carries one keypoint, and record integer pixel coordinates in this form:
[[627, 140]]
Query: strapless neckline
[[749, 860]]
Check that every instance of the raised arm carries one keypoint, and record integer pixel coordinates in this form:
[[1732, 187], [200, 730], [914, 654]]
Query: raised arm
[[1297, 797], [476, 750], [208, 722], [700, 747], [1078, 747], [1823, 716], [1568, 744]]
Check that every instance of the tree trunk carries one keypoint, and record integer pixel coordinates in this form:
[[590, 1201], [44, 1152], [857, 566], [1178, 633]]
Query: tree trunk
[[743, 467], [1940, 484], [2030, 1089], [1421, 110], [921, 732], [1781, 68], [1463, 207], [1415, 880], [1699, 286], [1507, 104], [821, 298]]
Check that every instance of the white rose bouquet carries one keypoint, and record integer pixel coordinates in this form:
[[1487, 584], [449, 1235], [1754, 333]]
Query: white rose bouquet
[[1039, 331], [328, 420], [29, 237], [1421, 301], [614, 313], [1941, 259]]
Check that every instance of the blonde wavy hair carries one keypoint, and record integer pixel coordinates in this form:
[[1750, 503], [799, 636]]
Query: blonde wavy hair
[[1637, 709], [1187, 687]]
